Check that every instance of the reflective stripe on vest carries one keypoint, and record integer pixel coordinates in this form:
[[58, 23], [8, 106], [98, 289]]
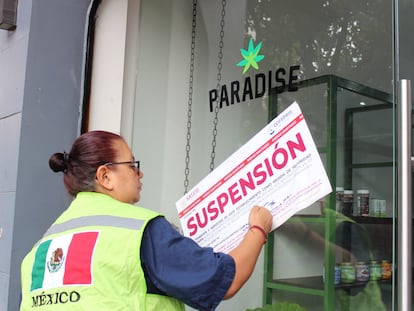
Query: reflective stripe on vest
[[96, 220]]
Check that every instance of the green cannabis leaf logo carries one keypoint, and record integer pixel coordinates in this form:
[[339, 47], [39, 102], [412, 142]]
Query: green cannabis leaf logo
[[251, 56]]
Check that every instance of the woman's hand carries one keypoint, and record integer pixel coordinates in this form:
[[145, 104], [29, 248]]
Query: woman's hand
[[246, 253], [261, 216]]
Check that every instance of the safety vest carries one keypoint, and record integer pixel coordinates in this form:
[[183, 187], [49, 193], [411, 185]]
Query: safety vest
[[89, 259]]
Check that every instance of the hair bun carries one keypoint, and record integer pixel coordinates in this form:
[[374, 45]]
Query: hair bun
[[58, 162]]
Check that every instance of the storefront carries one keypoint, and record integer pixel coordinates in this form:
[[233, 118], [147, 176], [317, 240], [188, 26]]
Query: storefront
[[209, 75], [189, 82]]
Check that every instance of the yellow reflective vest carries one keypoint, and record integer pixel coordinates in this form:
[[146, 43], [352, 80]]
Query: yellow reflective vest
[[89, 259]]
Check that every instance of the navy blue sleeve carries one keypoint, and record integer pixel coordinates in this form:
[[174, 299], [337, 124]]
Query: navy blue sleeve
[[176, 266]]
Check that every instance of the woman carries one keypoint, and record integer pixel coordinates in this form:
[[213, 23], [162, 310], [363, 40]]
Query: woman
[[104, 253]]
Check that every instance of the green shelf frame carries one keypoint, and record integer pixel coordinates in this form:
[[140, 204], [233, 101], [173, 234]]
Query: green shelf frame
[[314, 285], [349, 134]]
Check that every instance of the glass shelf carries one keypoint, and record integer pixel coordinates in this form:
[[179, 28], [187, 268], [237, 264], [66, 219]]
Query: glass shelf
[[334, 132], [316, 282]]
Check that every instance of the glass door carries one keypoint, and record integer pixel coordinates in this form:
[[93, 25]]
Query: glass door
[[343, 244], [339, 61], [345, 63]]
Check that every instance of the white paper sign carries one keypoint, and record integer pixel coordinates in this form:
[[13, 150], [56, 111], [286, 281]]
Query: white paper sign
[[279, 168]]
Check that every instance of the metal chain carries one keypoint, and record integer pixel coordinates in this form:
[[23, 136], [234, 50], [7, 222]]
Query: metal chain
[[218, 87], [190, 98]]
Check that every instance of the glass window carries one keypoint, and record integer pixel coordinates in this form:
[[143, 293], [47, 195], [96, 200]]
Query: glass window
[[249, 57]]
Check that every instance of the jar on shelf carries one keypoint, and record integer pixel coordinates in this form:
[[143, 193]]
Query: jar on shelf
[[374, 210], [382, 208], [363, 202], [348, 203], [347, 272], [375, 271], [337, 274], [339, 199], [362, 271], [386, 269], [379, 208]]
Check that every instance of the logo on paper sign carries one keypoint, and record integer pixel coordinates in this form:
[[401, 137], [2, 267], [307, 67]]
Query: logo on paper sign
[[251, 56]]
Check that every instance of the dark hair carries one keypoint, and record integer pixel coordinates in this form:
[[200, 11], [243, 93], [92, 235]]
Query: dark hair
[[89, 151]]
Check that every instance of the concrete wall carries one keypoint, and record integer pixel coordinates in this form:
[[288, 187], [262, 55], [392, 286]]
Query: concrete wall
[[40, 95], [13, 55]]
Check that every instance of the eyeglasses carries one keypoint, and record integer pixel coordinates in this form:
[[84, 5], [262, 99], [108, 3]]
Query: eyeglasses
[[132, 164]]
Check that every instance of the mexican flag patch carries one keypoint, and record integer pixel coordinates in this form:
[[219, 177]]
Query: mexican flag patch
[[65, 260]]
